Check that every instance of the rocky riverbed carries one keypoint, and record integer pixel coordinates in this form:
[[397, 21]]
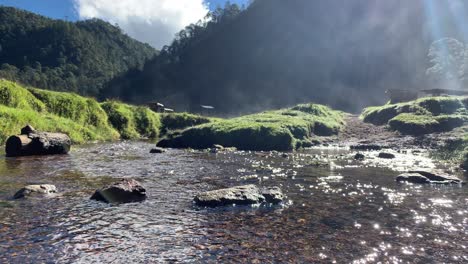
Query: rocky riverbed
[[336, 208]]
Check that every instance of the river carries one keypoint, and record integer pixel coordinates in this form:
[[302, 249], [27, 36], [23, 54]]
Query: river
[[341, 213]]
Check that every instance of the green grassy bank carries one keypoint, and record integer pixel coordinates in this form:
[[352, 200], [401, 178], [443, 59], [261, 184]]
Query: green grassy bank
[[422, 116], [83, 119], [281, 130]]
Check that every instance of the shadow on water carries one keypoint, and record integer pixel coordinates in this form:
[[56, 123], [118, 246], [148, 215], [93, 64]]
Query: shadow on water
[[335, 210]]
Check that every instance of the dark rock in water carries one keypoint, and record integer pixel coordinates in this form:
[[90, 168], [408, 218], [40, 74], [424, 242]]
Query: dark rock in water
[[413, 178], [240, 195], [157, 151], [35, 189], [359, 156], [125, 191], [437, 176], [384, 155], [32, 142], [423, 177], [273, 195], [366, 147]]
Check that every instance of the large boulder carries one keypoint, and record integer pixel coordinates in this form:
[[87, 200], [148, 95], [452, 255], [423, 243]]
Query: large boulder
[[124, 191], [42, 189], [240, 195], [423, 177]]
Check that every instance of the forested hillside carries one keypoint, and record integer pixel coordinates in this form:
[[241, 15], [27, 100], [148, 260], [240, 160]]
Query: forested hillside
[[277, 53], [66, 56]]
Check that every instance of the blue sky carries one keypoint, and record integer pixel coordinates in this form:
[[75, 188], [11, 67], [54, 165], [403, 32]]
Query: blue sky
[[64, 8], [151, 21]]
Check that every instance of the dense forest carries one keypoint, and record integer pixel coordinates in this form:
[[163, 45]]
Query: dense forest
[[277, 53], [59, 55]]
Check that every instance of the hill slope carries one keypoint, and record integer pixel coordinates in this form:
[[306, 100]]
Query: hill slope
[[59, 55], [277, 53]]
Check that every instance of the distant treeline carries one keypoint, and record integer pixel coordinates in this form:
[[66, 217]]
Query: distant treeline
[[59, 55]]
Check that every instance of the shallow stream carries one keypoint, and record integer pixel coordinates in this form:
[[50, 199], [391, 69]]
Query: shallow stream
[[342, 212]]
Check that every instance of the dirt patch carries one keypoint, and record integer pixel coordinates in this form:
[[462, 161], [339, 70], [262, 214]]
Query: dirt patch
[[358, 132]]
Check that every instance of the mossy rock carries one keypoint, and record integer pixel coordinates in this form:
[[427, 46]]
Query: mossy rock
[[413, 124], [422, 116], [177, 121], [281, 130]]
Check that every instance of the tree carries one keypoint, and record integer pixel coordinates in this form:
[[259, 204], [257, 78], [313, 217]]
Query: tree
[[448, 59]]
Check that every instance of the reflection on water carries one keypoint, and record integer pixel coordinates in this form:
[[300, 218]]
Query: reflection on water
[[335, 212]]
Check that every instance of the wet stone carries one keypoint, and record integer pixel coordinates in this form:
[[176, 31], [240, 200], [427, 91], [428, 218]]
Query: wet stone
[[423, 177], [437, 176], [42, 189], [412, 178], [157, 151], [240, 195], [385, 155], [366, 147], [125, 191], [359, 156], [273, 195]]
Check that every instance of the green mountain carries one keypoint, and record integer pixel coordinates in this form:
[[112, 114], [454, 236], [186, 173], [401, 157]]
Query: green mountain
[[66, 56], [278, 53]]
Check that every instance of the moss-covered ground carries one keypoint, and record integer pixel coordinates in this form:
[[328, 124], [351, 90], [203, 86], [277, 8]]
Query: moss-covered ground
[[422, 116], [281, 130]]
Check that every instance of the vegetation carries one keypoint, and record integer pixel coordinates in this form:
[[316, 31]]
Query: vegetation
[[132, 122], [422, 116], [280, 130], [59, 55], [83, 119], [177, 121]]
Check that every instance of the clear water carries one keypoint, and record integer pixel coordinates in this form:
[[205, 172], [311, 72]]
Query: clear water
[[341, 213]]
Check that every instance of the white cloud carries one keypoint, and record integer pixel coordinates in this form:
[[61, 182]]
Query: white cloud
[[151, 21]]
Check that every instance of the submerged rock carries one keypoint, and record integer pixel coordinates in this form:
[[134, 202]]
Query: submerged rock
[[439, 177], [424, 177], [35, 189], [273, 195], [240, 195], [385, 155], [359, 156], [125, 191], [413, 178], [157, 151], [366, 147]]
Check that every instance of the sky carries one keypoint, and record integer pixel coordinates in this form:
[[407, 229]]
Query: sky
[[151, 21]]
